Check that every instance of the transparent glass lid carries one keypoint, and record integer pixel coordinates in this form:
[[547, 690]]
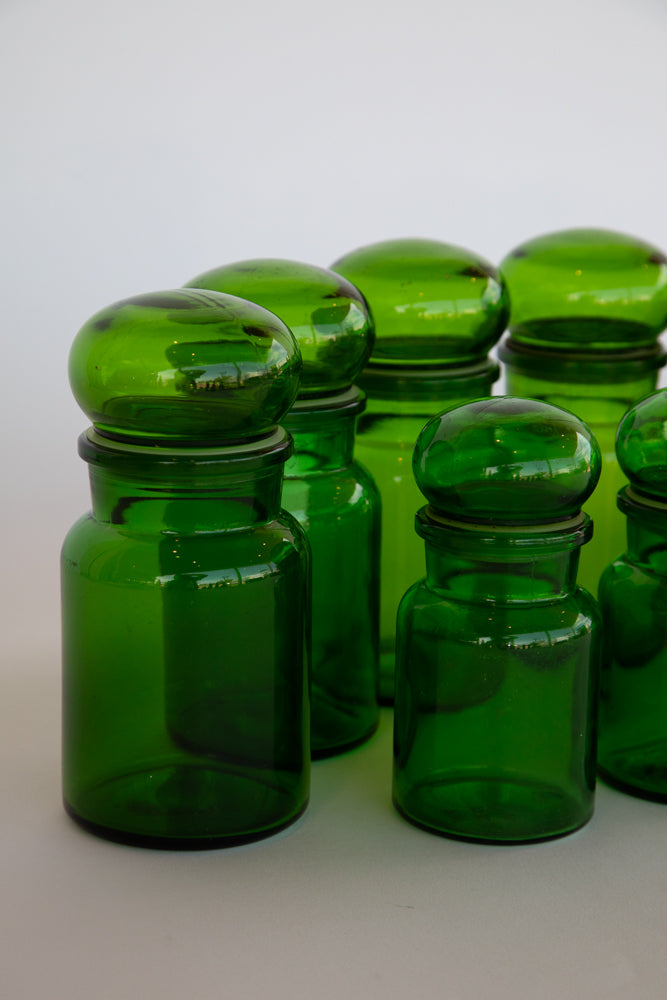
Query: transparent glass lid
[[327, 315], [433, 303], [184, 366]]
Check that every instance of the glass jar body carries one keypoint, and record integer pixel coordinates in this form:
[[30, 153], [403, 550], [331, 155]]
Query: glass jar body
[[599, 393], [185, 675], [399, 404], [632, 752], [495, 697], [336, 501]]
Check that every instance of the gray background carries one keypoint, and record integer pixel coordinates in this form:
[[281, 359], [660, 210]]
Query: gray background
[[144, 142]]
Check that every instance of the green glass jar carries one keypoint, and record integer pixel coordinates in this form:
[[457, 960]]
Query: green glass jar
[[185, 589], [329, 493], [336, 501], [437, 309], [633, 601], [587, 306], [497, 647]]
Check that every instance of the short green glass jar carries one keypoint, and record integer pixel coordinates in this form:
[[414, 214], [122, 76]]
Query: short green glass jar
[[587, 306], [185, 589], [633, 601], [331, 495], [437, 309], [497, 647]]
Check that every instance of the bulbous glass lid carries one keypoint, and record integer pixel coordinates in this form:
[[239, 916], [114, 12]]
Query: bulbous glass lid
[[433, 303], [506, 460], [327, 315], [641, 445], [184, 366], [587, 290]]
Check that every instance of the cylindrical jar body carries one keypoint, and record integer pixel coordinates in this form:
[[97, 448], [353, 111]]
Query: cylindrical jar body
[[400, 402], [633, 687], [336, 501], [598, 391], [185, 668], [495, 689]]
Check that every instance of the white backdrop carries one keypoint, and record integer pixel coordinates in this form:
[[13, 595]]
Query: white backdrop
[[144, 141]]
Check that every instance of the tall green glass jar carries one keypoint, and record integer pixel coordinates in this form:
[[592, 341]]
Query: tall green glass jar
[[497, 650], [633, 601], [333, 497], [587, 306], [185, 589], [437, 309]]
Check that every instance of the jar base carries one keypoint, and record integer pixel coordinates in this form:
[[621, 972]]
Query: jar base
[[185, 807], [323, 748], [640, 771], [493, 810], [387, 672]]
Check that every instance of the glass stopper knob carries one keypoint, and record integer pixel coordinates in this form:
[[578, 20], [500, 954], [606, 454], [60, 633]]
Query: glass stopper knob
[[433, 303], [586, 290], [184, 366], [506, 460], [327, 315], [641, 445]]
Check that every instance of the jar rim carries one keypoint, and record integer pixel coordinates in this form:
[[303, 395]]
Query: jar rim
[[580, 366], [141, 461], [428, 381], [520, 538]]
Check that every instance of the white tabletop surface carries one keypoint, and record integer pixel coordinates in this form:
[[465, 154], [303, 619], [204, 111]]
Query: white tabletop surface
[[350, 901]]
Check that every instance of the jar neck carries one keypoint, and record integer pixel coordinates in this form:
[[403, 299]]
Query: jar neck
[[647, 530], [427, 388], [185, 490], [323, 433], [502, 565]]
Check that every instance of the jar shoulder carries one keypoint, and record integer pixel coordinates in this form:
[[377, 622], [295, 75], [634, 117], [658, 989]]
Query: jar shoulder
[[631, 594], [387, 430], [633, 602], [100, 550], [425, 609], [348, 489]]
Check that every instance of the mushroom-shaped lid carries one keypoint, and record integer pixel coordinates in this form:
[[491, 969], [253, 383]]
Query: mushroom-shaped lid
[[433, 303], [587, 290], [506, 460], [641, 445], [327, 315], [184, 367]]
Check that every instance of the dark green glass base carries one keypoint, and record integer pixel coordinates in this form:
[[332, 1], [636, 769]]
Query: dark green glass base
[[186, 807], [640, 771], [338, 725], [492, 810], [387, 672], [323, 750]]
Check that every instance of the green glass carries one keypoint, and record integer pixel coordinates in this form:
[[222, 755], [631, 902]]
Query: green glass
[[184, 366], [330, 494], [497, 651], [633, 600], [586, 290], [433, 303], [587, 306], [326, 314], [337, 503], [185, 613], [437, 309]]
